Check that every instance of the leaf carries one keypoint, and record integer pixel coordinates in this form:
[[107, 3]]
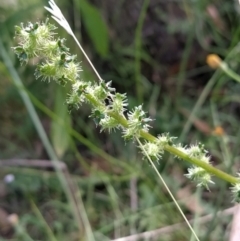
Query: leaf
[[59, 135], [95, 27]]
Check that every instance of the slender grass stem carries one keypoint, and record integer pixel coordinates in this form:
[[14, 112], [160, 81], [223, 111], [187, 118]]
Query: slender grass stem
[[229, 72], [168, 190], [42, 134], [40, 217], [138, 46]]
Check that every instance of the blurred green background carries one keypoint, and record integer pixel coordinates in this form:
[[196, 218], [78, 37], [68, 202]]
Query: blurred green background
[[154, 51]]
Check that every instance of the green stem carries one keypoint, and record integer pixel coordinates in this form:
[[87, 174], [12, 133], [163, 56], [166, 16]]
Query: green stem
[[229, 72], [138, 47], [184, 62], [204, 165], [169, 192], [209, 168], [171, 149]]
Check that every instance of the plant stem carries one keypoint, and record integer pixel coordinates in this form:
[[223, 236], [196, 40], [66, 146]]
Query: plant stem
[[173, 150], [122, 120], [169, 192], [138, 47], [229, 72], [194, 161]]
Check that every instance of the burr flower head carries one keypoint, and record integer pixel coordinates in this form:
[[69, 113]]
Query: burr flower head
[[152, 150], [137, 121], [109, 123], [197, 151], [165, 139], [61, 68], [118, 103], [102, 91], [200, 176], [35, 40], [77, 97]]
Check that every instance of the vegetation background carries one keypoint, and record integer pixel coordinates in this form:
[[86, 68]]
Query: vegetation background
[[154, 51]]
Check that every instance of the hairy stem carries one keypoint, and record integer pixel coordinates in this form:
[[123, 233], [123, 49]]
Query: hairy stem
[[171, 149]]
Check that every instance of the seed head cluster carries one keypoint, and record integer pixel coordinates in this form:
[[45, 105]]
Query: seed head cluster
[[108, 107]]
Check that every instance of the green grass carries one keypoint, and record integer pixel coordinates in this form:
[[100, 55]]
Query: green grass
[[113, 192]]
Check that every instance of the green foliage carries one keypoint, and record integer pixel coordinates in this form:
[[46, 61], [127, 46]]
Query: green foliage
[[110, 215], [95, 26], [60, 136]]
